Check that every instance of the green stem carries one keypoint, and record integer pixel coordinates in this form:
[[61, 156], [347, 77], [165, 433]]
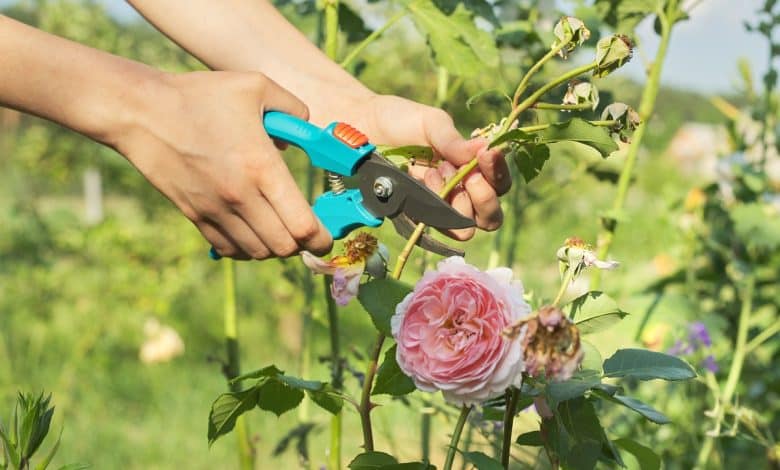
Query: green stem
[[512, 397], [568, 276], [307, 314], [763, 336], [246, 454], [646, 107], [564, 107], [334, 462], [534, 97], [365, 397], [425, 432], [535, 68], [354, 53], [740, 351], [442, 85], [464, 414]]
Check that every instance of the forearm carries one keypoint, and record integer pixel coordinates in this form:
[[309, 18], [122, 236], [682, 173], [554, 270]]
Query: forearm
[[87, 90], [251, 35]]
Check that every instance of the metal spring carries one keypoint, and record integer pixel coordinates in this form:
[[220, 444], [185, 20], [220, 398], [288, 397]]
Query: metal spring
[[336, 183]]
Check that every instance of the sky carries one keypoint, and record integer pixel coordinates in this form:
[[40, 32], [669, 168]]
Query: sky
[[702, 55]]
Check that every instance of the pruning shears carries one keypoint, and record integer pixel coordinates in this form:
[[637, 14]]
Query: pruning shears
[[384, 191]]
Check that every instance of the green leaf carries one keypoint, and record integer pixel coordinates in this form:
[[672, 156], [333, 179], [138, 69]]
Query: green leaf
[[226, 408], [390, 379], [300, 384], [270, 371], [592, 360], [482, 461], [44, 464], [646, 457], [352, 24], [530, 159], [328, 399], [581, 131], [584, 455], [514, 135], [408, 152], [596, 311], [757, 224], [380, 297], [642, 364], [532, 438], [278, 397], [408, 466], [371, 461], [633, 404], [456, 42], [75, 466], [478, 7], [576, 386], [582, 425]]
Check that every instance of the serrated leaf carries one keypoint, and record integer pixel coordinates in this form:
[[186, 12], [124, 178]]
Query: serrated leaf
[[595, 312], [576, 386], [645, 456], [479, 7], [456, 42], [481, 461], [379, 297], [532, 439], [269, 371], [635, 405], [278, 397], [226, 408], [584, 455], [530, 160], [296, 382], [582, 425], [327, 399], [390, 379], [371, 461], [642, 364]]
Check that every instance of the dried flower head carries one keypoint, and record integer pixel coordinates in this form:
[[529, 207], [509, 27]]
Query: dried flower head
[[611, 53], [581, 92], [569, 32], [359, 252], [551, 342], [625, 117]]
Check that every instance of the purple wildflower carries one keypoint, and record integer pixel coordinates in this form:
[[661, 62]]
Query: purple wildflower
[[698, 335], [710, 364]]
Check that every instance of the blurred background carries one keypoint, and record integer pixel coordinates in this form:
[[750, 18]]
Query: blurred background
[[109, 302]]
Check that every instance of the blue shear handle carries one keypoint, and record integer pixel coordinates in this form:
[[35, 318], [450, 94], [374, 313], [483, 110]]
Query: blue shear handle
[[324, 150]]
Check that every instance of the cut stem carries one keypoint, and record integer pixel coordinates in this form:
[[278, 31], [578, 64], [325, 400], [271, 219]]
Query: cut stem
[[464, 414]]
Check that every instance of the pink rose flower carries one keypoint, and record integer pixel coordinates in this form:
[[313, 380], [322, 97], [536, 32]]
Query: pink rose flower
[[449, 332]]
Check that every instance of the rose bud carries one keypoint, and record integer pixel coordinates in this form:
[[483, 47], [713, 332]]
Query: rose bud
[[611, 53], [571, 32]]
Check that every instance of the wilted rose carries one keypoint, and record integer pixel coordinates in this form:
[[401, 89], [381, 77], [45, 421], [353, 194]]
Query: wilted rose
[[581, 92], [576, 254], [625, 117], [571, 32], [449, 332]]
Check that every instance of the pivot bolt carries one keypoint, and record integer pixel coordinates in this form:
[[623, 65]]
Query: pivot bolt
[[383, 187]]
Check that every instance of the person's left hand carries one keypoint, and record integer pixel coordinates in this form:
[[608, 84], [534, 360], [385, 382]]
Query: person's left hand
[[390, 120]]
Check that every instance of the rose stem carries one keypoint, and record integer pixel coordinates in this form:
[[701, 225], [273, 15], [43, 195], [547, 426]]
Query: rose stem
[[564, 107], [464, 414], [735, 370], [331, 20], [232, 369], [567, 278], [365, 397], [646, 106], [512, 397]]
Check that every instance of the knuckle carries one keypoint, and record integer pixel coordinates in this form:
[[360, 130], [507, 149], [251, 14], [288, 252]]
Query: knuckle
[[286, 250], [230, 195], [306, 229], [259, 253]]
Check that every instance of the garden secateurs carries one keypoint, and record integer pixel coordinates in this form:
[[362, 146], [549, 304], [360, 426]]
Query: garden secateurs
[[383, 189]]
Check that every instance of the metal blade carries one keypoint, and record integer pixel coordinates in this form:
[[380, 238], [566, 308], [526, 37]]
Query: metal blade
[[405, 226], [406, 195]]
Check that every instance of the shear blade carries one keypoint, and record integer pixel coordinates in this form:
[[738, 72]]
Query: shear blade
[[405, 226], [408, 196]]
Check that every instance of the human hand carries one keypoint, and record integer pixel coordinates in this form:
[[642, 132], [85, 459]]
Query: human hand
[[396, 121], [199, 139]]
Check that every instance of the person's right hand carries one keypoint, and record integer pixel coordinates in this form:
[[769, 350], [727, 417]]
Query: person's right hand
[[199, 139]]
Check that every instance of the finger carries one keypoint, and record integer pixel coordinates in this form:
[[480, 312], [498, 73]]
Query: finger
[[222, 243], [243, 235], [484, 199], [447, 141], [494, 169], [269, 227], [276, 98], [277, 185]]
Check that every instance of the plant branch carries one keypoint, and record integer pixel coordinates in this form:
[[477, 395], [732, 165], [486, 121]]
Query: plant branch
[[763, 336], [646, 107], [535, 68], [735, 370], [354, 53], [512, 397], [365, 397], [567, 278], [464, 414], [564, 107]]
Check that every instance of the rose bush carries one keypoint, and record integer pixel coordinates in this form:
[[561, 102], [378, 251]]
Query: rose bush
[[449, 332]]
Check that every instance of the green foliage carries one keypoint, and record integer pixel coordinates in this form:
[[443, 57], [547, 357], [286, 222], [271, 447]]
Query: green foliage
[[390, 379], [383, 461], [642, 364], [648, 460], [594, 312], [635, 405], [482, 461], [273, 391], [379, 297]]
